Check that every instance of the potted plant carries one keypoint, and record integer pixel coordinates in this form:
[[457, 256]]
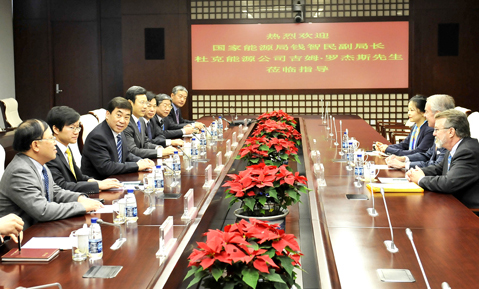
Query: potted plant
[[272, 151], [265, 190], [246, 255], [279, 116], [273, 129]]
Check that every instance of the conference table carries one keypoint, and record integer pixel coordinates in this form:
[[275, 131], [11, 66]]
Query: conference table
[[343, 245]]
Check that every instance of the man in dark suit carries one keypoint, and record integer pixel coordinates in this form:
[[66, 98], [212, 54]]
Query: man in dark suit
[[179, 95], [27, 188], [135, 133], [105, 152], [65, 124], [457, 174], [154, 131], [435, 104], [162, 121]]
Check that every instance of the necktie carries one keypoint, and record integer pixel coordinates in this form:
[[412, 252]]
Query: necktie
[[148, 130], [119, 148], [449, 162], [415, 133], [177, 112], [162, 125], [70, 161], [45, 183], [139, 126]]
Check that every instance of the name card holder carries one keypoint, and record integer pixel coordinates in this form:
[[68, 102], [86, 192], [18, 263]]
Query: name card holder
[[166, 239], [234, 142], [228, 149], [319, 174], [209, 178], [189, 205], [316, 157], [219, 162], [240, 129]]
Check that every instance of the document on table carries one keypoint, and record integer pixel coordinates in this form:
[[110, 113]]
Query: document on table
[[402, 187], [376, 154], [107, 209], [393, 180], [381, 167], [62, 243]]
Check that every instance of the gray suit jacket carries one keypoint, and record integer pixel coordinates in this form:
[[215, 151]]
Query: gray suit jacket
[[22, 192], [137, 141]]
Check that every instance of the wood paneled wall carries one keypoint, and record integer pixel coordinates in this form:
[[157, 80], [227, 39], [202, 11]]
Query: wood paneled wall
[[122, 51]]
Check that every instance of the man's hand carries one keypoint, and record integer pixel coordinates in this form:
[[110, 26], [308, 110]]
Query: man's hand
[[89, 204], [109, 184], [146, 164], [395, 162], [177, 142], [189, 129], [413, 175], [381, 147], [12, 225], [168, 151], [199, 125]]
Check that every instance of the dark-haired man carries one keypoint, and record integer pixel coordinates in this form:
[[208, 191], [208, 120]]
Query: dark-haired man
[[135, 132], [105, 152], [27, 188], [457, 173], [65, 124]]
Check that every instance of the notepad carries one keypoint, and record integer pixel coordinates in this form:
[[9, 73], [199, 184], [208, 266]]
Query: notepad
[[396, 188], [30, 255]]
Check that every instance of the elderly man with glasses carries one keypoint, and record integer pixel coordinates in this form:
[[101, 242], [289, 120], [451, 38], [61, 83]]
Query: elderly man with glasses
[[27, 188], [457, 173]]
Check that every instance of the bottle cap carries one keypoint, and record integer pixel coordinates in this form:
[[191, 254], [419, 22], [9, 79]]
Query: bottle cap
[[130, 191], [176, 152], [193, 139], [93, 220], [158, 166]]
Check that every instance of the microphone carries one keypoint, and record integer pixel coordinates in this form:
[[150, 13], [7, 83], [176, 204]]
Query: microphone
[[207, 130], [390, 246], [120, 240], [229, 122], [168, 167], [184, 154], [409, 235]]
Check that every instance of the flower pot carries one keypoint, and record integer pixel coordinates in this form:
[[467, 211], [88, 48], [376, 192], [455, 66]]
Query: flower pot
[[277, 219]]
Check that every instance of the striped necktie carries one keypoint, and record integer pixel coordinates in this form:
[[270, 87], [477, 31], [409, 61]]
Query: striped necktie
[[45, 183], [449, 162], [70, 161], [162, 125], [139, 126], [415, 133], [177, 112], [119, 148]]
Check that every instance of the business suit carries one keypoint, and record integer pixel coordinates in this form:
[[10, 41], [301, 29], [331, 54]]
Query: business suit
[[462, 179], [430, 157], [166, 129], [181, 122], [424, 141], [100, 157], [63, 176], [22, 193], [137, 141], [157, 136]]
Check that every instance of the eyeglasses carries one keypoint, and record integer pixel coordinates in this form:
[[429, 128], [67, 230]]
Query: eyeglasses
[[181, 96], [438, 129], [48, 139], [75, 129], [166, 105]]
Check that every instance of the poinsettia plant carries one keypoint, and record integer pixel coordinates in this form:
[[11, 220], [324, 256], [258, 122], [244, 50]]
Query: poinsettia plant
[[251, 254], [279, 116], [272, 151], [274, 129], [265, 190]]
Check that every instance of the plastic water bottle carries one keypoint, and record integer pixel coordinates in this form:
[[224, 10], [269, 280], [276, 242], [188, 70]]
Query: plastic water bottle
[[350, 155], [202, 150], [177, 167], [345, 141], [359, 165], [219, 128], [131, 209], [213, 130], [194, 149], [159, 181], [95, 241]]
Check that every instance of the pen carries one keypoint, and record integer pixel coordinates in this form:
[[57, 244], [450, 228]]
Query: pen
[[19, 244]]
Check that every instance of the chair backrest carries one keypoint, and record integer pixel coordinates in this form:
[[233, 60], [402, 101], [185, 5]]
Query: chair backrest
[[463, 109], [100, 114], [76, 153], [11, 112], [89, 122], [2, 161], [473, 119]]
